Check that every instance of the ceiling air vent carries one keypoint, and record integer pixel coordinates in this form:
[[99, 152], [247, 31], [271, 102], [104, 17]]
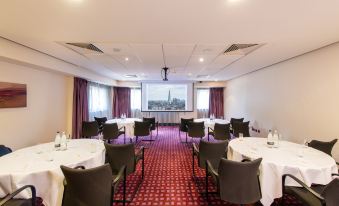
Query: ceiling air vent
[[86, 46], [241, 49], [131, 76], [200, 76]]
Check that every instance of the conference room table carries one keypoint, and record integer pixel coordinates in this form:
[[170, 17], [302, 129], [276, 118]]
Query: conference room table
[[128, 123], [39, 165], [211, 122], [309, 165]]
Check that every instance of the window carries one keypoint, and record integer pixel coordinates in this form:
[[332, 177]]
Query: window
[[135, 99], [203, 97], [99, 100]]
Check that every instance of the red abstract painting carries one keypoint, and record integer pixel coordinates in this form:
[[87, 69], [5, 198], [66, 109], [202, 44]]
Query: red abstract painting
[[13, 95]]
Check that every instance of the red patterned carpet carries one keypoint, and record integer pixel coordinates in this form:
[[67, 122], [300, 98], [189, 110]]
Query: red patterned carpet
[[168, 175]]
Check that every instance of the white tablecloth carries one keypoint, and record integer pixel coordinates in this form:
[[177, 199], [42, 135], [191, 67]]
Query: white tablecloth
[[128, 123], [210, 123], [307, 164], [40, 166]]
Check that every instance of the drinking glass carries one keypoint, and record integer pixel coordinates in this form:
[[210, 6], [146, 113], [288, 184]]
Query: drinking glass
[[241, 136], [68, 138], [301, 152], [49, 156], [39, 149], [305, 143]]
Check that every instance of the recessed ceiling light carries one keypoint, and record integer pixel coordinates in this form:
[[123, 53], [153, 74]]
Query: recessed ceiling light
[[189, 74], [201, 59], [216, 80], [126, 59]]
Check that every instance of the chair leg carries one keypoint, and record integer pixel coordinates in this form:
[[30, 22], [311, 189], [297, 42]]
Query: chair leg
[[125, 138], [124, 189], [143, 166], [193, 162], [206, 183], [208, 137]]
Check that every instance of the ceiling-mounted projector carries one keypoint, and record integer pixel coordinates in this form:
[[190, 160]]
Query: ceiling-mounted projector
[[164, 73]]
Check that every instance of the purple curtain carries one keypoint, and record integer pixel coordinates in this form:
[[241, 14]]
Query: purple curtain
[[216, 102], [121, 101], [80, 105]]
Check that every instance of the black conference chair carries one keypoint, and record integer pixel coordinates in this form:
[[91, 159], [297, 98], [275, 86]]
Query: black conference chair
[[154, 124], [101, 121], [242, 190], [4, 150], [241, 127], [183, 127], [316, 195], [142, 129], [233, 120], [325, 147], [119, 155], [88, 187], [220, 132], [90, 129], [10, 200], [196, 129], [212, 151], [112, 132]]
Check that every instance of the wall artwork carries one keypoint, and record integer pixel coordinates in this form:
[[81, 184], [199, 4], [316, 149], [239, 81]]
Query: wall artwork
[[13, 95]]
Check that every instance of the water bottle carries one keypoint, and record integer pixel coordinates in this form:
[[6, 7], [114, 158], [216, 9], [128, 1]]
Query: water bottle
[[57, 141], [270, 142], [275, 139], [63, 142]]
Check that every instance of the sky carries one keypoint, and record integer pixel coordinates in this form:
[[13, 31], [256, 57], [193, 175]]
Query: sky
[[160, 91]]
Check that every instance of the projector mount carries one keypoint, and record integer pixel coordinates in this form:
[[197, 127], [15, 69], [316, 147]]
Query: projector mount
[[164, 73]]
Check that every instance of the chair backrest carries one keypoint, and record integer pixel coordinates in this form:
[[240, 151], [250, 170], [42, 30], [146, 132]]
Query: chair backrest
[[222, 131], [142, 128], [4, 150], [330, 193], [323, 146], [100, 120], [196, 129], [120, 155], [151, 120], [241, 127], [239, 181], [110, 131], [212, 151], [90, 129], [87, 187], [236, 120], [183, 124]]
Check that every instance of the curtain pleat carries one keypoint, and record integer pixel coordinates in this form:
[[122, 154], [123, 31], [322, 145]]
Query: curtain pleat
[[121, 101], [216, 106], [80, 105]]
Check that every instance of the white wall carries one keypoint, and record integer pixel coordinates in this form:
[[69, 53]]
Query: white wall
[[49, 106], [299, 97]]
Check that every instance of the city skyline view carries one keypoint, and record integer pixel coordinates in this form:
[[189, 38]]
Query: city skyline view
[[160, 92], [167, 97]]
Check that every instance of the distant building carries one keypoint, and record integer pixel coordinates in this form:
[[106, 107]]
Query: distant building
[[169, 96]]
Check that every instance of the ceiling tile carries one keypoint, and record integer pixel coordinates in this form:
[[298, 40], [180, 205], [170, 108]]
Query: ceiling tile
[[177, 55]]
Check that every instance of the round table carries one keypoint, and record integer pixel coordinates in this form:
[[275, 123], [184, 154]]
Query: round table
[[307, 164], [210, 123], [128, 123], [40, 166]]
